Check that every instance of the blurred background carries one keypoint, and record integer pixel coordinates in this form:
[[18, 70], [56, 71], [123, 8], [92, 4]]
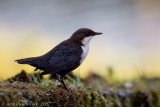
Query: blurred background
[[130, 43]]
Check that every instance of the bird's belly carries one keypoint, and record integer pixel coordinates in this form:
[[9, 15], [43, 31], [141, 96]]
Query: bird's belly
[[84, 53]]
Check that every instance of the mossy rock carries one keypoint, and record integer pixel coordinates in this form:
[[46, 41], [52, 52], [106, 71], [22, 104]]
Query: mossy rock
[[30, 94]]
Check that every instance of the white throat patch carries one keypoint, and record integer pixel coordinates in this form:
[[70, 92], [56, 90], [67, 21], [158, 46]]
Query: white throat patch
[[85, 48], [86, 40]]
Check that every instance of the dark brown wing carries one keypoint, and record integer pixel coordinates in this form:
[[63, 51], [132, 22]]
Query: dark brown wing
[[65, 58]]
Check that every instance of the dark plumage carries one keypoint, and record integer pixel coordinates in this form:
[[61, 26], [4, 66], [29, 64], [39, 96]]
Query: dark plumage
[[64, 58], [59, 60]]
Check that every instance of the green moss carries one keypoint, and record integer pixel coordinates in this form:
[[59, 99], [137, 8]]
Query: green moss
[[101, 101], [87, 99], [30, 94], [140, 99], [155, 96], [126, 102], [95, 98]]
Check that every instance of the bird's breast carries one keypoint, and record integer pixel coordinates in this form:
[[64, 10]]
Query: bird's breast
[[85, 50]]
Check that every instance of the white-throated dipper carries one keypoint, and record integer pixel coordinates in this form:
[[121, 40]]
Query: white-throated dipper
[[65, 57]]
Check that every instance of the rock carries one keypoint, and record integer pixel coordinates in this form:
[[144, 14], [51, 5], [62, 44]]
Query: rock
[[128, 85]]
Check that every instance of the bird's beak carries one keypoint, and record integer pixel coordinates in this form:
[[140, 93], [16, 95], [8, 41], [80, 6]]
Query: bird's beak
[[97, 33]]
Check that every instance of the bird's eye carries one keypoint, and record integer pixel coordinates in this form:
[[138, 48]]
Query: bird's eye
[[87, 32]]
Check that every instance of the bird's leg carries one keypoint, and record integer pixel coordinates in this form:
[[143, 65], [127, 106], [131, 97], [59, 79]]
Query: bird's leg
[[58, 78], [64, 83]]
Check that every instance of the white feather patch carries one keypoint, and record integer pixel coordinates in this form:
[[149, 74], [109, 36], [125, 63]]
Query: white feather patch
[[85, 48]]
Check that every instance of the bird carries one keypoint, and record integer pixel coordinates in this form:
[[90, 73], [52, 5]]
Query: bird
[[65, 57]]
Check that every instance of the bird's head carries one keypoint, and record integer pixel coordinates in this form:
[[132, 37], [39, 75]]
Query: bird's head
[[84, 35]]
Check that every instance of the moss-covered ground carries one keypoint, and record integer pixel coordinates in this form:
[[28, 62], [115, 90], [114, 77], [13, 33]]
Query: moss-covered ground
[[94, 91]]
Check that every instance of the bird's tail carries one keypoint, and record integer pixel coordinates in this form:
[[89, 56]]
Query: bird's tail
[[25, 61]]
